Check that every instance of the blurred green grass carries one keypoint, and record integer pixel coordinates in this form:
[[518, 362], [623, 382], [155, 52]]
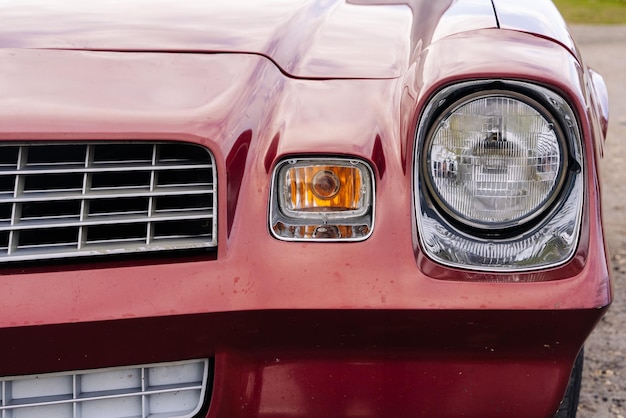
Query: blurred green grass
[[597, 12]]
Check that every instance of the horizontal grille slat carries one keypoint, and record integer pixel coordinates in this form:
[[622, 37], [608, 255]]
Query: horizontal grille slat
[[59, 200], [56, 251], [105, 219], [99, 168], [96, 396], [110, 193]]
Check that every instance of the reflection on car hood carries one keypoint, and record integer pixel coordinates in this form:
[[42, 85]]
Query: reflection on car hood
[[305, 38], [536, 17]]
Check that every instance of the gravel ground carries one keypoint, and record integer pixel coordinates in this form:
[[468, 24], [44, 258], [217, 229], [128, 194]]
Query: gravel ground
[[603, 392]]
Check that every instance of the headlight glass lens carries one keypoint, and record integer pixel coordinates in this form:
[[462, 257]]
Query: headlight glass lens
[[494, 161]]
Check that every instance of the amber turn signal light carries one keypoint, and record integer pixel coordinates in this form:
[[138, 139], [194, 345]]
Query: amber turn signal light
[[322, 199], [323, 188]]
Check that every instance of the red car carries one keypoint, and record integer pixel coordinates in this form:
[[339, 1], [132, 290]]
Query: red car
[[296, 208]]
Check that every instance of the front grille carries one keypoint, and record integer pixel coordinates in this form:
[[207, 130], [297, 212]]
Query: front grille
[[166, 390], [86, 199]]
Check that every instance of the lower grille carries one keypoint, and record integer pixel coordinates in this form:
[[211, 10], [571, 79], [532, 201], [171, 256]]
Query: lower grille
[[167, 390], [82, 199]]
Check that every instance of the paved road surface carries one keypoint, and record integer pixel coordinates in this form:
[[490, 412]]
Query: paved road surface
[[604, 379]]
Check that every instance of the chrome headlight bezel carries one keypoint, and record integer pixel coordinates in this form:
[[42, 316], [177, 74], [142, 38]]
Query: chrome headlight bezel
[[546, 237]]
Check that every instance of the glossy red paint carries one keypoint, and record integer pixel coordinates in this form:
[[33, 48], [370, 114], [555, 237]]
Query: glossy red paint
[[535, 17], [364, 329], [304, 38], [315, 363]]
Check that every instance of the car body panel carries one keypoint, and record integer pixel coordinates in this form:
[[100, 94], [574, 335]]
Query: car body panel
[[298, 329], [376, 31], [273, 135], [537, 17]]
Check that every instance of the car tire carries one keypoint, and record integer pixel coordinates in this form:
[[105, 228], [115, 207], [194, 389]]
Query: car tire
[[569, 404]]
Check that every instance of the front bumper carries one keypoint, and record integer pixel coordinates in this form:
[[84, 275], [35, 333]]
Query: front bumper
[[348, 363]]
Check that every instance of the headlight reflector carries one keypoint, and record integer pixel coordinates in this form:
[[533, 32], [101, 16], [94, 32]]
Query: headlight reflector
[[322, 199], [494, 161]]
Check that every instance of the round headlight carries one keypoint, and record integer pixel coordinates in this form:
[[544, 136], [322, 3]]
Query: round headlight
[[494, 160]]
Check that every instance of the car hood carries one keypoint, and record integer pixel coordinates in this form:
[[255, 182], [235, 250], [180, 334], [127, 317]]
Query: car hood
[[305, 38], [537, 17]]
